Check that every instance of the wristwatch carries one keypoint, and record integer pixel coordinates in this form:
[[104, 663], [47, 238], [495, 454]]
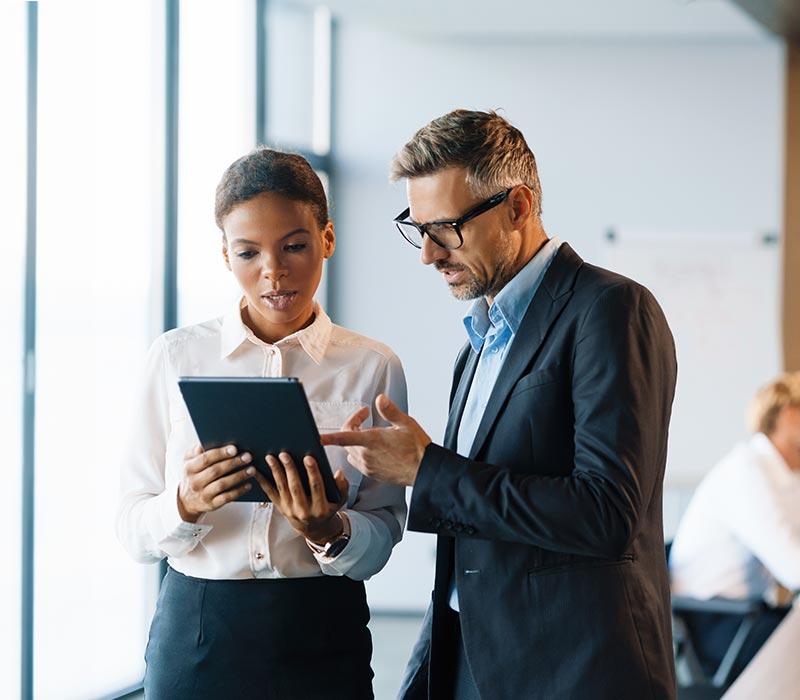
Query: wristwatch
[[335, 546]]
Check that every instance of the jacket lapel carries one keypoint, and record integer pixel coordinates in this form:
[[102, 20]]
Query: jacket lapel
[[462, 380], [548, 302]]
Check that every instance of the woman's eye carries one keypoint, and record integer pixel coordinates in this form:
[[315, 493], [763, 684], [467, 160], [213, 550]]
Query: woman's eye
[[246, 254], [295, 247]]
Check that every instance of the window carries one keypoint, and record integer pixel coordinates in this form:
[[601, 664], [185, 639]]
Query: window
[[100, 296], [96, 315], [217, 126], [13, 58]]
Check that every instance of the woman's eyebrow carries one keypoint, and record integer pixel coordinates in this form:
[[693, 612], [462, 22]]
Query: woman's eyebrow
[[247, 241]]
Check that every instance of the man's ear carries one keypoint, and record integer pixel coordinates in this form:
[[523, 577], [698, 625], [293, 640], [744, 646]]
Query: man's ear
[[328, 240], [225, 252], [521, 199]]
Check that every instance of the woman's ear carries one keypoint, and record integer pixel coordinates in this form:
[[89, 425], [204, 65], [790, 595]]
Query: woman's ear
[[328, 240], [225, 252]]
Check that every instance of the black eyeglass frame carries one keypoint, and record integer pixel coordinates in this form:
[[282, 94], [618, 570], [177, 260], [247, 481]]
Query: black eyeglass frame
[[490, 203]]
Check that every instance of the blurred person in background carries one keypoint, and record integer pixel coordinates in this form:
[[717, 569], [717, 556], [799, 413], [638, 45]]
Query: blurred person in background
[[740, 535]]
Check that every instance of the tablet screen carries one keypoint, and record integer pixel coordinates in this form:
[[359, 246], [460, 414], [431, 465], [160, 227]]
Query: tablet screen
[[260, 415]]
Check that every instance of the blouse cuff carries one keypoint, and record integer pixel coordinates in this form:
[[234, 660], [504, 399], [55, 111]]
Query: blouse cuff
[[179, 537], [353, 552]]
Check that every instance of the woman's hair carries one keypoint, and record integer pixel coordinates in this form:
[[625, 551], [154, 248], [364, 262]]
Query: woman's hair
[[267, 171], [494, 153], [770, 399]]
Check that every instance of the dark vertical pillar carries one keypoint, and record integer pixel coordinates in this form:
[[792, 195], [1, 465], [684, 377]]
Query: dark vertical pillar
[[171, 103], [261, 72], [29, 350], [791, 212]]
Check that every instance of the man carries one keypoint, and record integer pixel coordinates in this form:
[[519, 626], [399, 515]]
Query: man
[[740, 535], [551, 579]]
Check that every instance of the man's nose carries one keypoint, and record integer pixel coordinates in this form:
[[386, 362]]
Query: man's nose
[[431, 252]]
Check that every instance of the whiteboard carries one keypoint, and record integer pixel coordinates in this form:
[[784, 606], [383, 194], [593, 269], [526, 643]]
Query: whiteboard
[[721, 296]]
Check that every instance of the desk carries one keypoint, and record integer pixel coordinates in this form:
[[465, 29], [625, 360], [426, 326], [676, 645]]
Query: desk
[[774, 673]]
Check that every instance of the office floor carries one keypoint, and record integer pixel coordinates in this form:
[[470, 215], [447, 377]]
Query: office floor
[[393, 637]]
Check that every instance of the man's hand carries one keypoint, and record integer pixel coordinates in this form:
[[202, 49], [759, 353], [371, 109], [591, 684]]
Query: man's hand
[[390, 454]]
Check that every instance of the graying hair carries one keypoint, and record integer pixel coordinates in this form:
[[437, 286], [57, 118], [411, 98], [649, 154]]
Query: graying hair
[[493, 152]]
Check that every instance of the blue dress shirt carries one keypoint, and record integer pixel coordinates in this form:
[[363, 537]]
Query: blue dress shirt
[[491, 330]]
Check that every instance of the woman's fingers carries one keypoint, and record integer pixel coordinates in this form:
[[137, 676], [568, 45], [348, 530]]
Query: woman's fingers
[[231, 495], [344, 488], [266, 486], [226, 483], [193, 452], [278, 476], [294, 482], [316, 487], [212, 465]]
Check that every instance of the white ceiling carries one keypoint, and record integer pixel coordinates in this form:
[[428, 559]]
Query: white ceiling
[[551, 19]]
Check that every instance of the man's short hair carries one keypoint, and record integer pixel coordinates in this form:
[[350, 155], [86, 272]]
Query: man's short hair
[[267, 171], [770, 399], [494, 153]]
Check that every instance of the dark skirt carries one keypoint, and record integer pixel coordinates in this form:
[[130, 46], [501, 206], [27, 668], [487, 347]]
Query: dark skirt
[[259, 639]]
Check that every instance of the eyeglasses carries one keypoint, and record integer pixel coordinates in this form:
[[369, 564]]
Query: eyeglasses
[[446, 233]]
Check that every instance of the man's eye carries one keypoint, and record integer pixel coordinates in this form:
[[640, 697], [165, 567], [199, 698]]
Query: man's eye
[[246, 254], [295, 247]]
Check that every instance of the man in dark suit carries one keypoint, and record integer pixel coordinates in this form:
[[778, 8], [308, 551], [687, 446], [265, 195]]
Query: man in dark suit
[[551, 580]]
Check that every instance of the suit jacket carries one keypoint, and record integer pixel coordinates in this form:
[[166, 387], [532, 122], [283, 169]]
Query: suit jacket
[[553, 524]]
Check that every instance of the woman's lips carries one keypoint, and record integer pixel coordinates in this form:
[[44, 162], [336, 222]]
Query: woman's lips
[[279, 300]]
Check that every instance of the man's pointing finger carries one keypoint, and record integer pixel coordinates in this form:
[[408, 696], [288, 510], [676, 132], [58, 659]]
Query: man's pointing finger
[[346, 438]]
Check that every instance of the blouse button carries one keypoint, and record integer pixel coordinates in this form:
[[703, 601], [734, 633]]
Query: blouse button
[[259, 555]]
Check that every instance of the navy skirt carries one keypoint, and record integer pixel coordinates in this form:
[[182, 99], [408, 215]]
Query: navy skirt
[[259, 639]]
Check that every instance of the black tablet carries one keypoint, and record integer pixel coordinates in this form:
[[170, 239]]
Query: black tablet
[[261, 416]]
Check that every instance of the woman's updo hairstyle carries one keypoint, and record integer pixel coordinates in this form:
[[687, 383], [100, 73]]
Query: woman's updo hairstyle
[[267, 171]]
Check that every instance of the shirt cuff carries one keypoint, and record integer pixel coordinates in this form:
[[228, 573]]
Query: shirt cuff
[[179, 537], [355, 549], [320, 549]]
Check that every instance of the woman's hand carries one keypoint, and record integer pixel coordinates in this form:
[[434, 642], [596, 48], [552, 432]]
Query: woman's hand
[[207, 482], [312, 517]]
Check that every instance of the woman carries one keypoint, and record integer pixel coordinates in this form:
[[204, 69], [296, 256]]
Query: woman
[[261, 600]]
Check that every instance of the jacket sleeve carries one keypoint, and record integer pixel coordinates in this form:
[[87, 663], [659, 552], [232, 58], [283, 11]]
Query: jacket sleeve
[[622, 383]]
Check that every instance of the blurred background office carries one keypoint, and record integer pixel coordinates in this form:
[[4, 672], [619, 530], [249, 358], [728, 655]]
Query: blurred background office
[[666, 141]]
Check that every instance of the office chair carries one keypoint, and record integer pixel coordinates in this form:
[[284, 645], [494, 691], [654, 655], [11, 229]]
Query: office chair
[[693, 680]]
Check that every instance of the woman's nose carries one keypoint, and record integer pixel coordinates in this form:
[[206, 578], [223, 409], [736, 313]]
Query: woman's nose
[[272, 267]]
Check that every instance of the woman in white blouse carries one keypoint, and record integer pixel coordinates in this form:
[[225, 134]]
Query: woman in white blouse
[[261, 600]]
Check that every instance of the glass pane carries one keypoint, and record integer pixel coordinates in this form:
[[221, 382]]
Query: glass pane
[[217, 126], [99, 160], [13, 59], [298, 78]]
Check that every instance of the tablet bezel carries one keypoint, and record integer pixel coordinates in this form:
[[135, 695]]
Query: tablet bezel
[[260, 415]]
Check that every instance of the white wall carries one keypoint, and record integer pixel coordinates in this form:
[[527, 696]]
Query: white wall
[[674, 136]]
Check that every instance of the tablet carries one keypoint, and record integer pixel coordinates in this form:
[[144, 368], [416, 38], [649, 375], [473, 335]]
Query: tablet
[[261, 416]]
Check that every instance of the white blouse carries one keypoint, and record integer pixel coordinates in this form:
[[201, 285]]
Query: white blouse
[[740, 535], [341, 371]]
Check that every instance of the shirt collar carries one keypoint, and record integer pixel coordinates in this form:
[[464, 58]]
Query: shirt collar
[[781, 474], [512, 302], [313, 339]]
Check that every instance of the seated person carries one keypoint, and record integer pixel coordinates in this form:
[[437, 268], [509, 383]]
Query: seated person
[[740, 535]]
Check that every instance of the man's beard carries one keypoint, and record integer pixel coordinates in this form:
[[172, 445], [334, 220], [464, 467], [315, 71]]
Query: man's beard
[[472, 287]]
